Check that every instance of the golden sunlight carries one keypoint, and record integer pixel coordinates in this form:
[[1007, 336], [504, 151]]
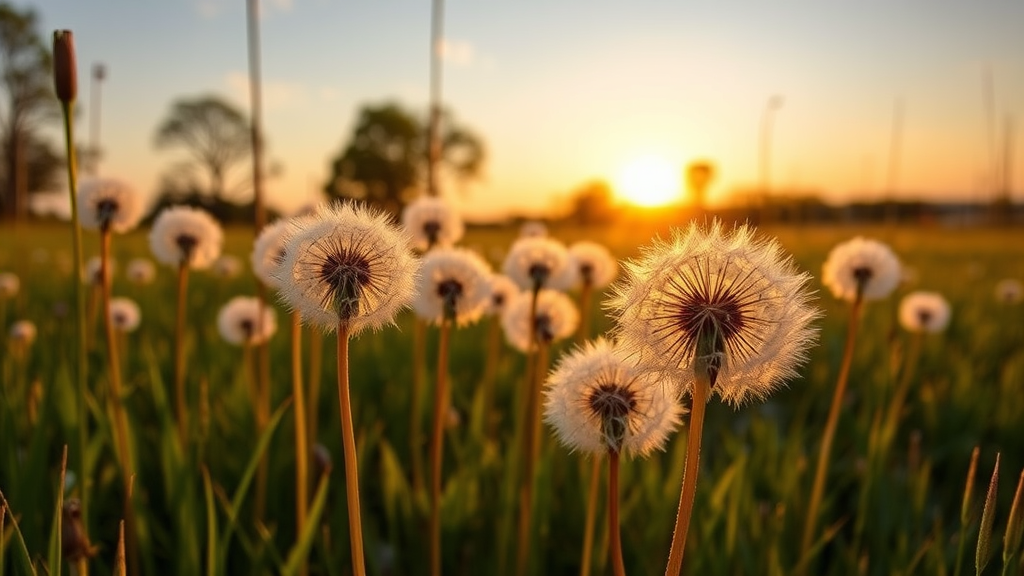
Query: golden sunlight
[[649, 181]]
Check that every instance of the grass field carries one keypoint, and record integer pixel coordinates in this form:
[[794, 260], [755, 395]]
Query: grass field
[[893, 504]]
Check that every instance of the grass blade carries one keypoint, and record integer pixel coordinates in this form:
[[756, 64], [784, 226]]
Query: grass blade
[[300, 550], [988, 518], [22, 559]]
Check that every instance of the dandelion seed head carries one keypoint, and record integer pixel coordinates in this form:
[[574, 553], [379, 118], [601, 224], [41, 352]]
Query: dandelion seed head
[[93, 271], [9, 285], [556, 319], [22, 333], [268, 252], [597, 401], [926, 312], [245, 321], [536, 262], [186, 236], [503, 290], [590, 264], [1008, 291], [716, 300], [348, 263], [107, 204], [453, 283], [227, 266], [432, 221], [140, 271], [125, 314], [861, 266]]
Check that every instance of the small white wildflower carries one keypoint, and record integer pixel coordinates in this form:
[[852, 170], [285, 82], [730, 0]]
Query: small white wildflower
[[140, 271], [186, 236], [454, 283], [125, 314], [596, 401], [108, 204], [268, 252], [862, 268], [245, 321], [535, 263], [924, 312], [9, 285], [432, 221], [556, 318]]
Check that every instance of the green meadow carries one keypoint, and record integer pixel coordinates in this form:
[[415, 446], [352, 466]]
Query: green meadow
[[895, 501]]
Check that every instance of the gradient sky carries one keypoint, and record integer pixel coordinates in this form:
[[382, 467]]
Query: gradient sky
[[567, 91]]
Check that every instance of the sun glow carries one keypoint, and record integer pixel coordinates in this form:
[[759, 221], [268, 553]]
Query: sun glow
[[649, 181]]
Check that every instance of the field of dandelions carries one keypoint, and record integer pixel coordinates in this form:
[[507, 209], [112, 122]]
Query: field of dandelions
[[245, 437]]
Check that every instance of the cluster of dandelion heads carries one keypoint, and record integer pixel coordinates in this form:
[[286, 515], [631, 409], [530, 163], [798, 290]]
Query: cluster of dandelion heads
[[186, 236], [9, 285], [536, 262], [502, 291], [590, 264], [861, 268], [596, 401], [124, 314], [453, 284], [432, 221], [348, 264], [106, 204], [1008, 291], [268, 252], [556, 318], [246, 321], [925, 312], [717, 300], [140, 271]]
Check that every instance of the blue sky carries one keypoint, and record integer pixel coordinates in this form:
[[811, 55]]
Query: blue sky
[[567, 91]]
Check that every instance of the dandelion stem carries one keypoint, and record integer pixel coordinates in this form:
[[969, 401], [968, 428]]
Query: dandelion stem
[[821, 470], [351, 464], [613, 513], [301, 445], [588, 526], [316, 353], [419, 362], [81, 354], [437, 446], [699, 395], [179, 357], [585, 295], [531, 453], [902, 388], [491, 371]]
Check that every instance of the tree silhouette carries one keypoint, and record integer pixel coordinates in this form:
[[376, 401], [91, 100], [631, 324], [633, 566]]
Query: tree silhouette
[[385, 159], [213, 132], [29, 162]]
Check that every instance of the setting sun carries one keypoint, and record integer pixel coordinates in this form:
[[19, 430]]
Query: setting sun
[[649, 181]]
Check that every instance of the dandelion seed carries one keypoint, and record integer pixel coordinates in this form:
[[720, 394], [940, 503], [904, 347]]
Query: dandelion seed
[[245, 321], [125, 314], [503, 290], [432, 221], [9, 285], [140, 271], [534, 263], [556, 318], [268, 252], [1009, 291], [718, 301], [924, 312], [185, 236], [348, 264], [596, 401], [861, 268], [453, 285], [108, 205]]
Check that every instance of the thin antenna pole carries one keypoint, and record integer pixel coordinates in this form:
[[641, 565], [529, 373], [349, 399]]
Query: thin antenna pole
[[433, 143]]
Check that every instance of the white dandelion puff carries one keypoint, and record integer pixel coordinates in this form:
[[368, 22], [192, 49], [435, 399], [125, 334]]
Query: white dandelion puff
[[348, 264], [454, 284], [596, 401], [1009, 291], [22, 333], [925, 312], [556, 318], [718, 301], [186, 236], [125, 314], [861, 268], [432, 221], [590, 265], [503, 290], [245, 321], [268, 252], [107, 204], [9, 285], [227, 266], [535, 263], [140, 271]]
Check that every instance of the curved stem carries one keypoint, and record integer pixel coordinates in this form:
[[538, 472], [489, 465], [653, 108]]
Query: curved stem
[[348, 439], [437, 447], [825, 451], [301, 443], [179, 357], [588, 526], [613, 513], [701, 390]]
